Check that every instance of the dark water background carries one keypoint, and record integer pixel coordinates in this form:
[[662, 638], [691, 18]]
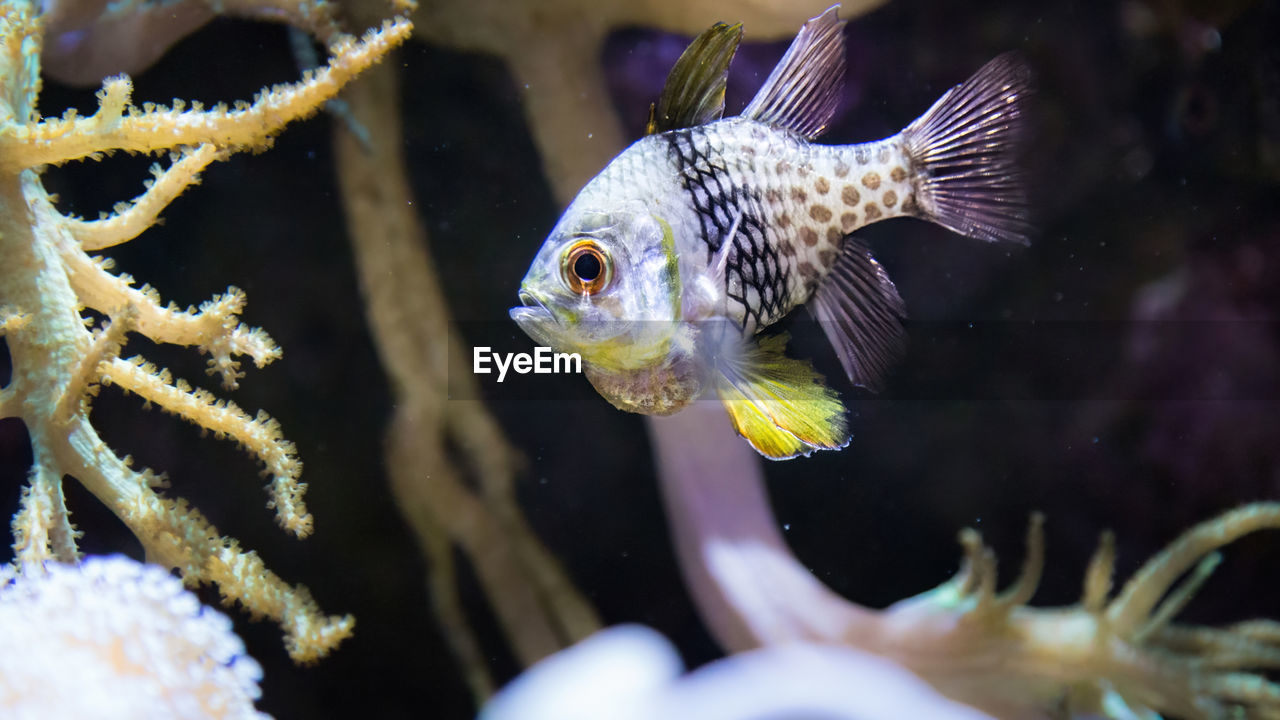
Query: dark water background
[[1123, 371]]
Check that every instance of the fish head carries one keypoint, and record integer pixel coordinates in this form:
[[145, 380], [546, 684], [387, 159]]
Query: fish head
[[605, 285]]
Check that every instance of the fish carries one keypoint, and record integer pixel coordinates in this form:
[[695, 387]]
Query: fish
[[668, 269]]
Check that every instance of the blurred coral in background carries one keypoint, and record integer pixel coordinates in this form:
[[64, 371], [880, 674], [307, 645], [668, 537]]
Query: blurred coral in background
[[112, 639]]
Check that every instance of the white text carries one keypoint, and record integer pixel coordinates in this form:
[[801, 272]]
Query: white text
[[543, 361]]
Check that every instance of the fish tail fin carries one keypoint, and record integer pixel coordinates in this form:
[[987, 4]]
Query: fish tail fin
[[965, 154], [780, 404]]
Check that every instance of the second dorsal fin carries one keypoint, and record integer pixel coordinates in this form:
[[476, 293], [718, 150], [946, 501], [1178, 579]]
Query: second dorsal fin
[[694, 91], [802, 91]]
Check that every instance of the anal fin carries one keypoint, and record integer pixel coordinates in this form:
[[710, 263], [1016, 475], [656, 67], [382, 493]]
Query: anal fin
[[780, 404], [861, 313]]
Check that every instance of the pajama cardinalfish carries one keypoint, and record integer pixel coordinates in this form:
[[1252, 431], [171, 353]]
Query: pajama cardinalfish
[[669, 264]]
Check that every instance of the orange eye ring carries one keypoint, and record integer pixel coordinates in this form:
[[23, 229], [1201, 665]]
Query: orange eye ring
[[586, 268]]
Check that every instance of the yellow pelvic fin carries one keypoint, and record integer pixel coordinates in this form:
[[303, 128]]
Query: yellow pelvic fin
[[780, 404]]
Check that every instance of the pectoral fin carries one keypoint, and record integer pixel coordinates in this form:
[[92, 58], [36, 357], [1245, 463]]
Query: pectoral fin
[[780, 404]]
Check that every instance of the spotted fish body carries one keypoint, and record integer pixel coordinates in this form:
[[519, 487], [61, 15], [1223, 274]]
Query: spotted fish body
[[670, 264], [762, 209]]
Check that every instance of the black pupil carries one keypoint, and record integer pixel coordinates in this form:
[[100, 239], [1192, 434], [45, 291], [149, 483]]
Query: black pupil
[[587, 266]]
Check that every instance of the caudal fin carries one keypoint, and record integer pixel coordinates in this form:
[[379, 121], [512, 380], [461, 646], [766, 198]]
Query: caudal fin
[[965, 154]]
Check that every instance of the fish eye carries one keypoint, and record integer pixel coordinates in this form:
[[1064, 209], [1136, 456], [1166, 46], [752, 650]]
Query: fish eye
[[586, 268]]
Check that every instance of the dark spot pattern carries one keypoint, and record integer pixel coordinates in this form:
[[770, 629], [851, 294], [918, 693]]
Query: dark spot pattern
[[850, 196], [821, 213]]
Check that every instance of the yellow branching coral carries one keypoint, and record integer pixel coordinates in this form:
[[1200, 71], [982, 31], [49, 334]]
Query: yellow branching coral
[[47, 279]]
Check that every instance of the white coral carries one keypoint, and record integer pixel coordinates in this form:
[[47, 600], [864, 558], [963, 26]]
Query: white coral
[[113, 638]]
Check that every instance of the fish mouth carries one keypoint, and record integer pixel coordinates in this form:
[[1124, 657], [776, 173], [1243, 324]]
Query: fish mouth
[[532, 310]]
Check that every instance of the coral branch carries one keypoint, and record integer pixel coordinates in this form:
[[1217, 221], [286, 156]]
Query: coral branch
[[41, 528], [129, 222], [119, 126], [536, 605], [1253, 645], [1151, 582], [57, 361], [83, 385], [213, 329], [260, 436], [1097, 578], [178, 536], [1032, 568], [309, 634]]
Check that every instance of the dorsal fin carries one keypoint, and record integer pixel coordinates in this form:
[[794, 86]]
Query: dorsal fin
[[802, 91], [694, 91], [861, 313]]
